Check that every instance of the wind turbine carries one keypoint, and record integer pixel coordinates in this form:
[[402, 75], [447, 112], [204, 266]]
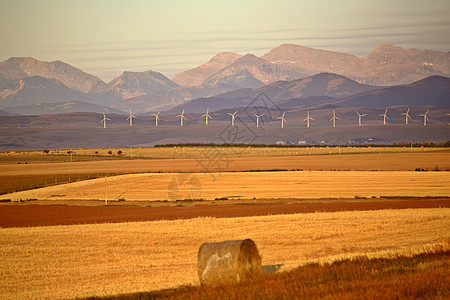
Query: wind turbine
[[308, 118], [207, 116], [104, 120], [257, 119], [156, 117], [233, 116], [282, 119], [131, 118], [406, 114], [385, 117], [182, 117], [334, 119], [359, 117], [425, 118]]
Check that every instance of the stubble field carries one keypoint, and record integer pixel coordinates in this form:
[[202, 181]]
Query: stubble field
[[109, 259], [106, 259]]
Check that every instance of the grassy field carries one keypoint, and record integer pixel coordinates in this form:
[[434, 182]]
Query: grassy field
[[15, 175], [108, 259], [421, 276], [247, 185], [192, 152]]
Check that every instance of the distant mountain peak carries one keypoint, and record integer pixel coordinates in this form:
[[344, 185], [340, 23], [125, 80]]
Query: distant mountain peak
[[21, 67], [134, 84], [195, 77]]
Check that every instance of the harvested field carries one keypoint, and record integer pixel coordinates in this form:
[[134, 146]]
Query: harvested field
[[424, 275], [106, 259], [247, 185], [192, 152], [20, 215], [222, 163], [16, 177]]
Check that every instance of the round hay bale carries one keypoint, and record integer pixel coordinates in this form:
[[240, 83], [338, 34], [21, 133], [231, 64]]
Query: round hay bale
[[229, 261]]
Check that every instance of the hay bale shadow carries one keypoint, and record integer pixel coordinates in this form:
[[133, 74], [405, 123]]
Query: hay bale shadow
[[269, 269]]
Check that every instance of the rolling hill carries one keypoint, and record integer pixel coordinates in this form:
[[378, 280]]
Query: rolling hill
[[37, 89], [432, 91], [60, 108], [325, 84]]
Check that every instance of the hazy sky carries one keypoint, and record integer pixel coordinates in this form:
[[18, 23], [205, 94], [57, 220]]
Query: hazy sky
[[107, 37]]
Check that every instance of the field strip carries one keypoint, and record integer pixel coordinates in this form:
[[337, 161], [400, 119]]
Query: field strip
[[84, 212], [222, 161], [247, 185], [105, 259]]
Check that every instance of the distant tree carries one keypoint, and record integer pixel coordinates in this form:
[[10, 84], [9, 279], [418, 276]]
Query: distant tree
[[68, 152], [119, 152], [96, 152], [110, 152], [46, 151]]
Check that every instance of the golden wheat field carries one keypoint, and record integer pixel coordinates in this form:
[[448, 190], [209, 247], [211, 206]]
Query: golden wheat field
[[247, 185], [105, 259]]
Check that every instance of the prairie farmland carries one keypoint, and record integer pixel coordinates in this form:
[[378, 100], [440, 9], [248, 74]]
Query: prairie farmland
[[247, 185], [106, 259], [373, 202]]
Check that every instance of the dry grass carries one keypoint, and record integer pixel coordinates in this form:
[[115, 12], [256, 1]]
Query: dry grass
[[106, 259], [422, 276], [15, 176], [191, 152], [248, 185]]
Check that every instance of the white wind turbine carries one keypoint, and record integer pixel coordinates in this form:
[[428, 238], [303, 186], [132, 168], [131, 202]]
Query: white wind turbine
[[182, 117], [104, 120], [385, 117], [156, 118], [334, 119], [207, 116], [425, 118], [308, 118], [282, 120], [257, 119], [406, 114], [131, 118], [359, 117], [233, 117]]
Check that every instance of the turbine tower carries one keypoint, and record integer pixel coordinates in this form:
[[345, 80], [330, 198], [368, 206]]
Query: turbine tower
[[104, 120], [334, 119], [233, 117], [182, 117], [282, 119], [406, 114], [359, 117], [308, 118], [207, 116], [156, 118], [257, 119], [131, 118], [385, 117], [425, 118]]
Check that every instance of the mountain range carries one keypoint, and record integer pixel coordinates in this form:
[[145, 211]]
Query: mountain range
[[226, 80], [326, 89]]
